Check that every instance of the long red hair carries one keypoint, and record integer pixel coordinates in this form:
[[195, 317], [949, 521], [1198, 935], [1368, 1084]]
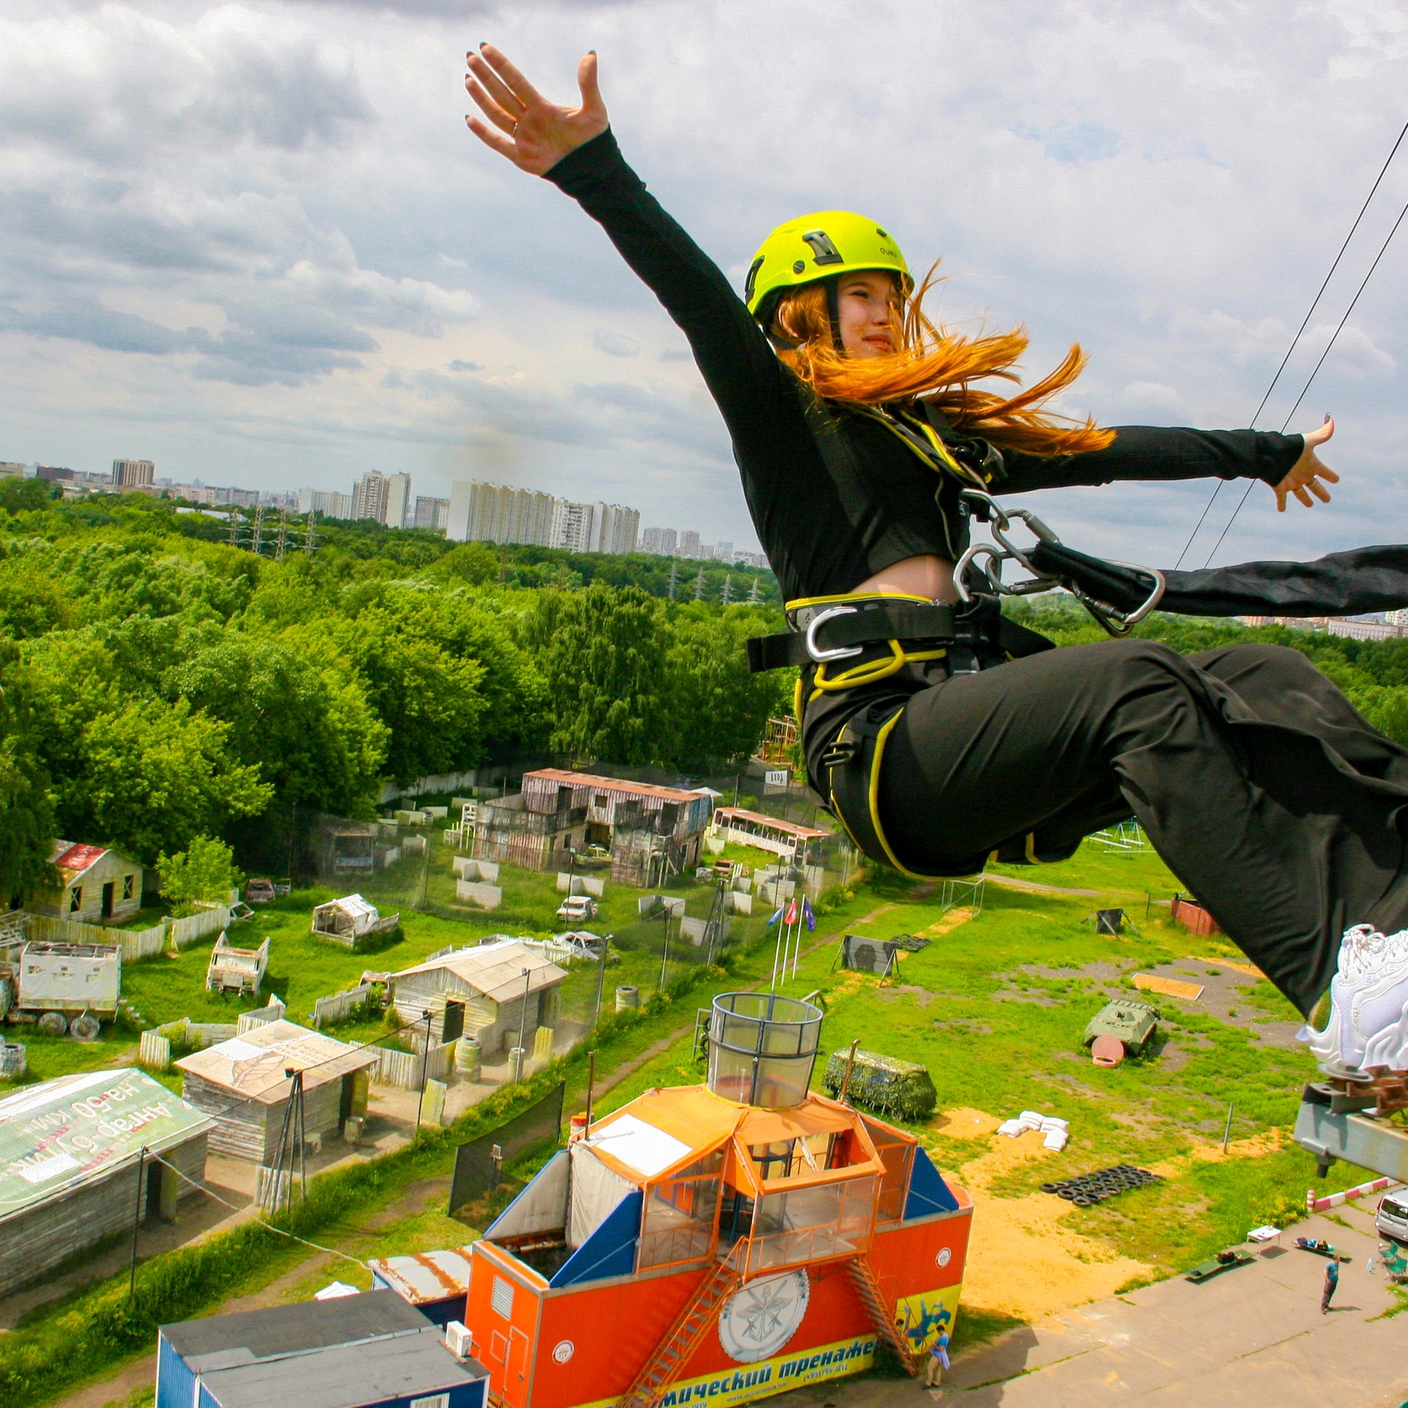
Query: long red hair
[[937, 366]]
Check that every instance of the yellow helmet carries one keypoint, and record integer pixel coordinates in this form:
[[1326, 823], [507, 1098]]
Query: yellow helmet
[[816, 247]]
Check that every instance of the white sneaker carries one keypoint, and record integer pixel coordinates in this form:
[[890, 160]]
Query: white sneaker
[[1368, 1023]]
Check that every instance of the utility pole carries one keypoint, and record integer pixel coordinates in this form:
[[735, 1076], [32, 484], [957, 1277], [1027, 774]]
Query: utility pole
[[674, 577], [281, 541], [754, 595], [424, 1067], [728, 589], [309, 535], [523, 1021], [664, 953], [137, 1219], [699, 586], [256, 545]]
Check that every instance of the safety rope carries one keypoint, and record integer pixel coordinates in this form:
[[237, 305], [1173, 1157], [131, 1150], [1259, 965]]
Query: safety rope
[[1304, 323]]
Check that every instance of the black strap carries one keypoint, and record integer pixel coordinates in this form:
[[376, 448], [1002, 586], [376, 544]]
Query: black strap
[[901, 620]]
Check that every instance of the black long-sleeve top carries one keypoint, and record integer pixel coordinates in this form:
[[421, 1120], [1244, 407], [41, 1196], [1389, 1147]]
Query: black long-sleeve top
[[830, 521]]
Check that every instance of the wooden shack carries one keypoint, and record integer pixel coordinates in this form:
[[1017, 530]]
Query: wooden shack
[[351, 921], [559, 811], [481, 991], [70, 1161], [241, 1083], [97, 885]]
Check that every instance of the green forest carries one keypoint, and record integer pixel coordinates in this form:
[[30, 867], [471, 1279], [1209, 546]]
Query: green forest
[[158, 684]]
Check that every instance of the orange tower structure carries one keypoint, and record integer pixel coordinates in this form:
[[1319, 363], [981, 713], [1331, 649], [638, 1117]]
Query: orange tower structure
[[722, 1242]]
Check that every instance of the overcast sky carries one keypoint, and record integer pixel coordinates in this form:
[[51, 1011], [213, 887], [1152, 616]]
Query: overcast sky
[[255, 242]]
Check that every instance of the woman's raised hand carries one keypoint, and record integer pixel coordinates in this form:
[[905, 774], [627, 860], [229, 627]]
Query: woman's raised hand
[[531, 132], [1307, 472]]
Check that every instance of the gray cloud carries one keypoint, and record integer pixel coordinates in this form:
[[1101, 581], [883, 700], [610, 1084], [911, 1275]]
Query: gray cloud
[[205, 197], [615, 344]]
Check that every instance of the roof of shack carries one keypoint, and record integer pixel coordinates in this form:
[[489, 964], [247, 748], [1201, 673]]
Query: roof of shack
[[75, 858], [66, 1131], [253, 1063], [426, 1276], [496, 970], [613, 784]]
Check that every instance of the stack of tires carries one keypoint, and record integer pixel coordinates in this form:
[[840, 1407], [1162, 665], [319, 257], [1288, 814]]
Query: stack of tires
[[1091, 1188]]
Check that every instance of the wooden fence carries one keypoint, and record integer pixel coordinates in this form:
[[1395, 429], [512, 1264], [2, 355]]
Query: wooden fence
[[134, 943], [197, 926], [336, 1007], [402, 1069]]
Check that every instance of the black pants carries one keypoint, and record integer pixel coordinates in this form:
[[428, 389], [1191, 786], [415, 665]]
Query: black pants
[[1266, 793]]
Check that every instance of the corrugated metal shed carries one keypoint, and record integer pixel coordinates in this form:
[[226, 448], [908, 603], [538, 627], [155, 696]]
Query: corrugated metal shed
[[66, 1131], [496, 970], [253, 1063], [370, 1349], [436, 1282]]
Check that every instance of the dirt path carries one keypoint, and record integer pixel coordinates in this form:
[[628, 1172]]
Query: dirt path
[[1035, 887]]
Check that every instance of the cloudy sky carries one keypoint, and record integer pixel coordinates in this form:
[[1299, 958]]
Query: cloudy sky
[[255, 242]]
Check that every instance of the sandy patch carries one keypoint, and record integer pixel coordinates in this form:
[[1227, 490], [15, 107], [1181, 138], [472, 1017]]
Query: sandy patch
[[1022, 1259], [950, 921], [964, 1124], [1259, 1145]]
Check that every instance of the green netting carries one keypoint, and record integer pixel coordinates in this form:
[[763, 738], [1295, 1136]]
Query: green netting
[[884, 1084]]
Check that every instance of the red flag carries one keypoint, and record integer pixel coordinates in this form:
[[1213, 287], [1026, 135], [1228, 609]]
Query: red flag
[[791, 913]]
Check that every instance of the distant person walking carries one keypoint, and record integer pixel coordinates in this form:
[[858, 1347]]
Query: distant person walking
[[938, 1361], [1332, 1281]]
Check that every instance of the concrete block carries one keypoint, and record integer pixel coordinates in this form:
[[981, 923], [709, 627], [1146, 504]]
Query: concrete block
[[485, 896], [432, 1110], [740, 903], [437, 813], [352, 1128], [715, 845], [488, 871], [590, 886]]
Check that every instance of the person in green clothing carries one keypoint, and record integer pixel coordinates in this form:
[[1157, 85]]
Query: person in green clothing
[[1332, 1281]]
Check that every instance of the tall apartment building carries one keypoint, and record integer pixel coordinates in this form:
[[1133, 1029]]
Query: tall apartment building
[[369, 496], [497, 513], [723, 551], [132, 474], [398, 501], [431, 513], [661, 540], [689, 544], [330, 504], [594, 527]]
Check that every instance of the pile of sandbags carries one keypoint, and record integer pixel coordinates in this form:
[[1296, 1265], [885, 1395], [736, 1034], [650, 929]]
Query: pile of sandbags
[[1055, 1131]]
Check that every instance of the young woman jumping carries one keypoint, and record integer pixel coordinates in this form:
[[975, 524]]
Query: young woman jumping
[[937, 732]]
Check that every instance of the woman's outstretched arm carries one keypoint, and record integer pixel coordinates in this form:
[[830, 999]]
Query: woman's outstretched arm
[[575, 149], [1290, 464]]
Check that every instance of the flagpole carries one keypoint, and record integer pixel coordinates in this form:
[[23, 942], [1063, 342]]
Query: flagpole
[[781, 929]]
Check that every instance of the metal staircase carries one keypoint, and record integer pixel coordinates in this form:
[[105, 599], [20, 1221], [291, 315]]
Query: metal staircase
[[679, 1342], [868, 1289]]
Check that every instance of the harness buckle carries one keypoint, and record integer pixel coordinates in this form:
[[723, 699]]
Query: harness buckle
[[818, 653]]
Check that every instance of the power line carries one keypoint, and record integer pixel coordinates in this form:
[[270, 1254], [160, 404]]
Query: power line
[[1289, 350], [1382, 250]]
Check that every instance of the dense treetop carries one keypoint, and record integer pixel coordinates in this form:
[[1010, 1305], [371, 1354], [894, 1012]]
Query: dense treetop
[[160, 684]]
